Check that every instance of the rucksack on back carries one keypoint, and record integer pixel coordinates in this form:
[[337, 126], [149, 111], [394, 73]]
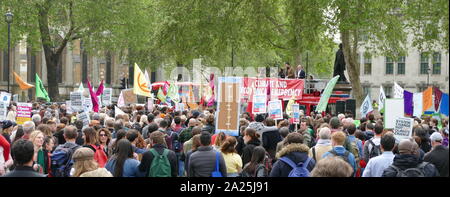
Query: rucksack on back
[[376, 150], [344, 157], [411, 172], [100, 156], [62, 161], [298, 170], [177, 146], [160, 166], [355, 150]]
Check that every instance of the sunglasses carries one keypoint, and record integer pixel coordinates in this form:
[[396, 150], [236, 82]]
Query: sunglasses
[[103, 135]]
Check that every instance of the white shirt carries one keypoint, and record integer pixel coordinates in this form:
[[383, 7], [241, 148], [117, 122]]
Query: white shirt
[[378, 164]]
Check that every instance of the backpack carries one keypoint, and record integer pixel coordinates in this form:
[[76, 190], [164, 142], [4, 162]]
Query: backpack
[[376, 150], [185, 135], [344, 157], [411, 172], [268, 161], [298, 170], [216, 172], [177, 146], [160, 166], [245, 173], [62, 161], [100, 156]]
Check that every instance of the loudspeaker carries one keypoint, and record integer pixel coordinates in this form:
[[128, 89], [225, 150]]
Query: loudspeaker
[[340, 107], [350, 105]]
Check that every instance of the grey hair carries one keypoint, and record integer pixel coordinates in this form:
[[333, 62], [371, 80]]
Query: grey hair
[[36, 118], [28, 127], [325, 133]]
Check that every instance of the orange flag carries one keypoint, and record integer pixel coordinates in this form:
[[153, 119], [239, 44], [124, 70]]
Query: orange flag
[[22, 84], [191, 99], [427, 98]]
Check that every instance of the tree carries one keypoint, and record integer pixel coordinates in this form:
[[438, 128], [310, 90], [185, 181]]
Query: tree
[[51, 25]]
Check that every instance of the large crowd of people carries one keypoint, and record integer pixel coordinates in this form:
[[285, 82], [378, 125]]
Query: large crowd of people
[[168, 143]]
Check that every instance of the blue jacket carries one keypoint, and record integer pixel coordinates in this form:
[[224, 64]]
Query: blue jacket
[[295, 152], [130, 168], [341, 151]]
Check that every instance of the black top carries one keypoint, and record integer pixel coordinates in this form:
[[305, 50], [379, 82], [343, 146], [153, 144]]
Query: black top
[[23, 171]]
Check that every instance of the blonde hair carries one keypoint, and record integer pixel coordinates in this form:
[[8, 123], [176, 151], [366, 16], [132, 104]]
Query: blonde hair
[[84, 166], [332, 167], [338, 137], [34, 134]]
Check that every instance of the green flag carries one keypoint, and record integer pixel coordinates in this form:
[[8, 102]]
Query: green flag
[[40, 90], [161, 96], [322, 106], [172, 93]]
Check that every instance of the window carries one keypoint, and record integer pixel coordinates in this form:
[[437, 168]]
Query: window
[[423, 64], [389, 66], [367, 65], [388, 91], [401, 65], [436, 64]]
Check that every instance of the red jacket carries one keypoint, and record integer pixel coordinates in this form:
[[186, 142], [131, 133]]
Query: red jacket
[[6, 147]]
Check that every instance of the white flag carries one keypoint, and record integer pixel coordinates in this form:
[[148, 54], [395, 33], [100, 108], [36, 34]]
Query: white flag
[[418, 104], [81, 88], [147, 78], [398, 91], [118, 111], [381, 99], [121, 100], [366, 106]]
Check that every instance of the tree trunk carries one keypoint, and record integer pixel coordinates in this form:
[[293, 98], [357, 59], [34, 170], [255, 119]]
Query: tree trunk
[[52, 76], [352, 65]]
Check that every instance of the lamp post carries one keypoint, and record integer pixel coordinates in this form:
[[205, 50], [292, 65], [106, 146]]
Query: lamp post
[[428, 76], [8, 19]]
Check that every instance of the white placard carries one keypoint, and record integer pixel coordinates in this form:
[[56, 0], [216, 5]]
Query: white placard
[[5, 97], [403, 128], [84, 117], [107, 96], [76, 102], [259, 104], [275, 110], [393, 109], [3, 110], [69, 107]]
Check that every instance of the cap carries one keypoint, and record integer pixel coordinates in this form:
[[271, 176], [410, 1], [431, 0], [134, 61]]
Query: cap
[[83, 154], [436, 137], [7, 123]]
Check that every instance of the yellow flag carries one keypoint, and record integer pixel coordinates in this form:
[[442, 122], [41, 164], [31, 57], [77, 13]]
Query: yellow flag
[[22, 84], [140, 86]]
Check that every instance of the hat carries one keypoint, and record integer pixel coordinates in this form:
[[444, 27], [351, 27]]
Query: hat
[[7, 123], [436, 137], [83, 154], [195, 114], [407, 146]]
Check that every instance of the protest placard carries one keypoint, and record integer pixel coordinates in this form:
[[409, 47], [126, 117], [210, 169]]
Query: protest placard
[[129, 97], [107, 96], [76, 102], [5, 97], [228, 105], [394, 108], [296, 113], [259, 104], [403, 128], [275, 110], [3, 110], [23, 112], [84, 117]]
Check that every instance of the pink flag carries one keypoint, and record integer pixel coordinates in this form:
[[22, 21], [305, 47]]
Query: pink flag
[[93, 97], [100, 89], [211, 84]]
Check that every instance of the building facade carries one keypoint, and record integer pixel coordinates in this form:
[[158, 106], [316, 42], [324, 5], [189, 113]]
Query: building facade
[[75, 66], [414, 72]]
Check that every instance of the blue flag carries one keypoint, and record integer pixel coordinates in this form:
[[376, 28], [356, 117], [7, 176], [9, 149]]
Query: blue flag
[[443, 109]]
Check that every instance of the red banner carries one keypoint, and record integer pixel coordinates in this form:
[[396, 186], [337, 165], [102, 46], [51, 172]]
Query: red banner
[[279, 88]]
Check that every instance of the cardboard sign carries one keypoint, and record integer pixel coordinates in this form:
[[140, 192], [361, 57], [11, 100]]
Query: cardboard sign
[[87, 104], [393, 109], [275, 110], [23, 112], [76, 102], [3, 110], [403, 128], [84, 117], [259, 104], [296, 113], [129, 97], [228, 105], [5, 97], [107, 96]]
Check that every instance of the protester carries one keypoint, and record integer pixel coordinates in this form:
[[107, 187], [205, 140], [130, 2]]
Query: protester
[[159, 161], [62, 156], [210, 127], [104, 138], [323, 145], [251, 140], [86, 166], [422, 133], [91, 141], [378, 164], [294, 153], [270, 137], [438, 156], [41, 159], [408, 164], [195, 144], [284, 131], [5, 156], [203, 162], [123, 163], [258, 124], [372, 146], [256, 167], [233, 161], [332, 167], [23, 152], [218, 140], [337, 141]]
